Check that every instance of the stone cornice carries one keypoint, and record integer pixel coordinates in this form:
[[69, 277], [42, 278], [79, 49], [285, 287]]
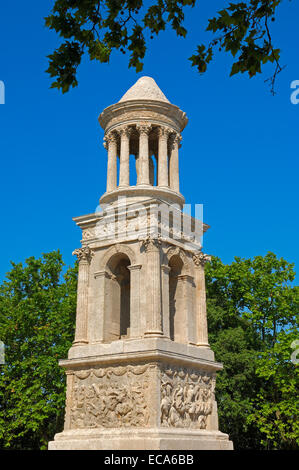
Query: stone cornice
[[170, 111]]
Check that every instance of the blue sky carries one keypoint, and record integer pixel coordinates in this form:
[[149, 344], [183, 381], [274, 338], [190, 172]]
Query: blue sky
[[239, 155]]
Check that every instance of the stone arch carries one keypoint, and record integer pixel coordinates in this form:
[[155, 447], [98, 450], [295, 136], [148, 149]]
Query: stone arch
[[117, 292], [115, 249], [177, 251]]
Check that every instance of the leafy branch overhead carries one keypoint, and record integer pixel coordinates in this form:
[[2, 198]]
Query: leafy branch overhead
[[99, 27]]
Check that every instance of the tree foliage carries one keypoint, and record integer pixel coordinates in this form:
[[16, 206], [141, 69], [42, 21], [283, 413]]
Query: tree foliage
[[99, 27], [253, 320], [37, 316]]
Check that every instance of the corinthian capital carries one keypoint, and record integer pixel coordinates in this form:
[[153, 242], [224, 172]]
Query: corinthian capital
[[175, 138], [125, 130], [200, 259], [144, 128], [83, 254], [164, 131], [110, 137], [149, 243]]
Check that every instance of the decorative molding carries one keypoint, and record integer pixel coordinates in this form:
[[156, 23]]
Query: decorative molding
[[135, 267], [88, 233]]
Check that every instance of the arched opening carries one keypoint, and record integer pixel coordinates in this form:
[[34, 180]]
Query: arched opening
[[117, 322], [176, 299]]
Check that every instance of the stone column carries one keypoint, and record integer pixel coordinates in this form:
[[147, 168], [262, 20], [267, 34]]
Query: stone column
[[174, 181], [190, 320], [153, 275], [84, 255], [135, 327], [143, 173], [165, 300], [124, 164], [199, 260], [111, 144], [163, 156], [97, 331]]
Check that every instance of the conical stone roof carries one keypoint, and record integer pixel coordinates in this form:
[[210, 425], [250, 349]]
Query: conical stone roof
[[144, 89]]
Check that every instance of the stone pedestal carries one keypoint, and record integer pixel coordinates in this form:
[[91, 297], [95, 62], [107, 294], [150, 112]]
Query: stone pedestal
[[141, 439], [141, 394]]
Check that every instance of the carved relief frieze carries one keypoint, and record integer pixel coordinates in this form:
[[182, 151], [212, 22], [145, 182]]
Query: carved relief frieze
[[111, 397], [186, 397], [88, 233]]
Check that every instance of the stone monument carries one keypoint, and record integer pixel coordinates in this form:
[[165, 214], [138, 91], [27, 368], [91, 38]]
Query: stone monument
[[140, 373]]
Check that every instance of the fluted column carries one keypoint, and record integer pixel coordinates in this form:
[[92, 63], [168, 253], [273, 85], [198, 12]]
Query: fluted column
[[135, 327], [84, 255], [153, 276], [163, 134], [189, 314], [124, 164], [174, 181], [200, 260], [110, 143], [98, 330], [165, 300], [143, 173]]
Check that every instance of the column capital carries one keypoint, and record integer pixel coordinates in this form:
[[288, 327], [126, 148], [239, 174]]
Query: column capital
[[175, 139], [125, 130], [200, 258], [110, 137], [151, 243], [144, 128], [83, 254], [164, 131]]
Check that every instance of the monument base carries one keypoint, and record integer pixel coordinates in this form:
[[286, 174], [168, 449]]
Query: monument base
[[160, 396], [141, 439]]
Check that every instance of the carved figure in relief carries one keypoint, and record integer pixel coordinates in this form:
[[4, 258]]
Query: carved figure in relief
[[186, 398], [117, 403]]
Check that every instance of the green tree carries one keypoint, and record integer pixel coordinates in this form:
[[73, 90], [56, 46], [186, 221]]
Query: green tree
[[253, 320], [235, 345], [37, 317], [276, 410], [100, 27]]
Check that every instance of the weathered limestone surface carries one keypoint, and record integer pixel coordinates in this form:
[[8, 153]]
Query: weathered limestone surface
[[140, 373]]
